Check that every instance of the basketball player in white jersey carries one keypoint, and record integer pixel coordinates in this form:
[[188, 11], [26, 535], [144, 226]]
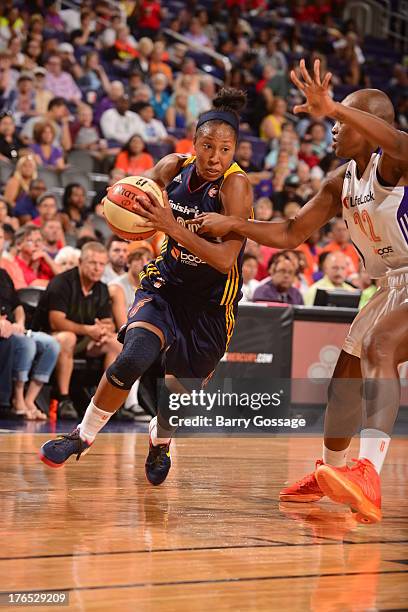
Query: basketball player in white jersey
[[371, 191]]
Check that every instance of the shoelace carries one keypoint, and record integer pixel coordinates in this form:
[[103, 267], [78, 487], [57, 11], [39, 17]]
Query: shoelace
[[65, 438], [160, 457], [362, 465], [310, 478]]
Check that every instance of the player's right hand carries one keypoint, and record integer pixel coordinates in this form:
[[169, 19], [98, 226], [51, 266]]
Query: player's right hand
[[213, 224]]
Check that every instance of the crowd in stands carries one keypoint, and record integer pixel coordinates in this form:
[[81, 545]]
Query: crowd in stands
[[91, 94]]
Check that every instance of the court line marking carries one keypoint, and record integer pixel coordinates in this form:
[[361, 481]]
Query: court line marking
[[194, 549], [136, 585]]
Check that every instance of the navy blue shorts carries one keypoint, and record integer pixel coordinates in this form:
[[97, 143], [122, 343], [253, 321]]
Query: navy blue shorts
[[196, 338]]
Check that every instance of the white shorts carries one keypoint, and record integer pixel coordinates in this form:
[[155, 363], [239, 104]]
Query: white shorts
[[392, 292]]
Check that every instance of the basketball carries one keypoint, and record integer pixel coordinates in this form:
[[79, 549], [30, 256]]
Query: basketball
[[118, 203]]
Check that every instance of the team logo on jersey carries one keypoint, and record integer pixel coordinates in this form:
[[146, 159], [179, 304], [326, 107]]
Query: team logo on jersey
[[212, 192], [138, 306], [383, 251], [175, 253], [348, 174], [178, 179]]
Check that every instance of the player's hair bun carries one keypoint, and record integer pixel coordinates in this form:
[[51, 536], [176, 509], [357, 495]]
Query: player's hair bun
[[230, 99]]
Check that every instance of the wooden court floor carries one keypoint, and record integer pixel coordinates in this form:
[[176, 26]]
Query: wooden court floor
[[212, 538]]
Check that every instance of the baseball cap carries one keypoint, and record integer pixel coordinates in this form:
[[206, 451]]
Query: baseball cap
[[39, 70], [25, 76], [65, 48]]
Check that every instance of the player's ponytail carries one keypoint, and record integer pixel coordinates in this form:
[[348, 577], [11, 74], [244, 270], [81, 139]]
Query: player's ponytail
[[226, 108]]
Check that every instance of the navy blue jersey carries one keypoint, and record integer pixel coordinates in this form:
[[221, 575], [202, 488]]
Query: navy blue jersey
[[177, 268]]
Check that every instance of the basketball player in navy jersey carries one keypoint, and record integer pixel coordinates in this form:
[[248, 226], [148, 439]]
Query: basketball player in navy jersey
[[184, 312], [371, 191]]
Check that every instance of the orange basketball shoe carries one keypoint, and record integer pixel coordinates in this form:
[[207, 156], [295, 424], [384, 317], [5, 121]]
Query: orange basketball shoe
[[359, 487], [304, 490]]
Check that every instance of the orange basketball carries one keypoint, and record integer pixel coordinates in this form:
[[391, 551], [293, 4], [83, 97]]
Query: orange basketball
[[117, 207]]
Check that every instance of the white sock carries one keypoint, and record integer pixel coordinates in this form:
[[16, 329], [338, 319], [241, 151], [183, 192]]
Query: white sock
[[335, 458], [374, 446], [153, 433], [93, 421]]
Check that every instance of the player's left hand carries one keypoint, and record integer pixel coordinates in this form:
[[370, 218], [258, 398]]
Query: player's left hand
[[213, 224], [318, 101], [158, 217]]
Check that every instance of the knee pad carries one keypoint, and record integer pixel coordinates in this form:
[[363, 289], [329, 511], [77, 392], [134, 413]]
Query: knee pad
[[141, 348]]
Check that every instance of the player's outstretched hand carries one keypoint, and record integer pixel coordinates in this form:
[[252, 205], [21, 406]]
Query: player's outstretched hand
[[213, 224], [318, 101], [157, 216]]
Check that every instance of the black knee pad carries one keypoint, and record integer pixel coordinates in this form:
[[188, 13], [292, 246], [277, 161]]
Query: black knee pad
[[141, 348]]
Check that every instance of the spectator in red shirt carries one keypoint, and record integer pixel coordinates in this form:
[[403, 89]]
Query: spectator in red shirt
[[133, 158], [37, 266], [341, 242], [147, 17]]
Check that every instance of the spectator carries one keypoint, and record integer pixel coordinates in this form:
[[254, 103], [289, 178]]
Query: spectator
[[8, 80], [279, 288], [61, 83], [10, 143], [263, 209], [37, 266], [142, 63], [311, 251], [122, 289], [270, 56], [196, 34], [19, 183], [32, 54], [8, 263], [53, 19], [306, 151], [117, 259], [46, 154], [119, 122], [68, 62], [5, 215], [335, 273], [85, 135], [146, 18], [249, 272], [74, 204], [67, 258], [76, 309], [185, 146], [160, 99], [54, 238], [58, 115], [47, 208], [84, 35], [291, 209], [341, 242], [317, 132], [158, 65], [34, 355], [24, 105], [151, 130], [43, 96], [178, 114], [94, 77], [271, 126], [26, 205], [133, 159]]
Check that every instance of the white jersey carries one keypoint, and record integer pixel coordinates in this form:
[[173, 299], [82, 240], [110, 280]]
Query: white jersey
[[377, 219]]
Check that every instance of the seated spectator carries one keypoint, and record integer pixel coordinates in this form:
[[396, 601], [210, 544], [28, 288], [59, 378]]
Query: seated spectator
[[67, 258], [160, 99], [47, 208], [69, 63], [317, 132], [116, 91], [32, 54], [61, 83], [58, 115], [178, 114], [335, 274], [24, 106], [196, 34], [306, 151], [263, 209], [53, 236], [311, 251], [133, 158], [8, 263], [10, 143], [46, 154], [341, 242], [249, 282], [279, 288], [271, 126], [118, 122], [85, 136], [151, 130], [84, 35], [42, 95], [74, 206], [76, 308], [122, 289], [5, 215], [269, 55], [117, 259], [53, 20], [94, 77], [37, 266], [19, 183], [291, 209], [142, 62], [26, 206], [185, 146], [8, 80], [288, 145], [34, 355]]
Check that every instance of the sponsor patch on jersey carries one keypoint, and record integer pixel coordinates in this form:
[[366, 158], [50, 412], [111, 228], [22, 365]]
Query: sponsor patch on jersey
[[212, 192], [138, 306], [383, 251]]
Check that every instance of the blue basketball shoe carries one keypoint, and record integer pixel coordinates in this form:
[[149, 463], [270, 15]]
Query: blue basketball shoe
[[55, 453], [158, 462]]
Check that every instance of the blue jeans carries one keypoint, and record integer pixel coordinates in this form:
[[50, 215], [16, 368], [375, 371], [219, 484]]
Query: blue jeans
[[35, 357]]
